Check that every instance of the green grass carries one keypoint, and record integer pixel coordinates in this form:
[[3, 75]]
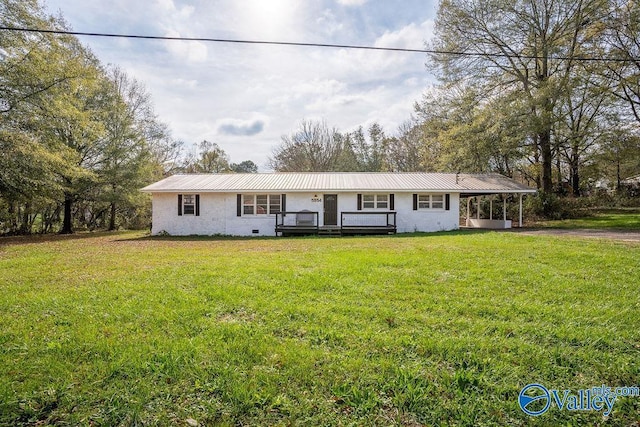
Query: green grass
[[435, 329], [628, 219]]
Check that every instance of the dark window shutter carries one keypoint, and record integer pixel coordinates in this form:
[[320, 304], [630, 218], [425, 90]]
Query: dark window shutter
[[415, 202], [447, 201], [179, 204], [239, 205], [283, 203], [359, 202], [197, 205], [392, 202]]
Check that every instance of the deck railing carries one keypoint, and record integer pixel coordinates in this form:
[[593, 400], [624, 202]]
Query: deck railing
[[297, 222], [384, 221], [308, 222]]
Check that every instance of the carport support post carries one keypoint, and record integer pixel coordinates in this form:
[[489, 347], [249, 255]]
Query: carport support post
[[520, 221], [468, 209], [491, 207], [504, 208]]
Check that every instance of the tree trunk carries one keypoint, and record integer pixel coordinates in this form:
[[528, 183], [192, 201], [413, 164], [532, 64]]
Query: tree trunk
[[13, 222], [575, 180], [547, 160], [67, 227], [25, 226], [575, 172], [112, 217]]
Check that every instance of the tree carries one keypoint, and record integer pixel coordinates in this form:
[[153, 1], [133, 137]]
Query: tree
[[406, 152], [620, 157], [76, 140], [209, 158], [46, 87], [623, 38], [365, 152], [126, 159], [529, 47], [460, 130], [244, 167], [73, 118], [585, 113], [314, 147]]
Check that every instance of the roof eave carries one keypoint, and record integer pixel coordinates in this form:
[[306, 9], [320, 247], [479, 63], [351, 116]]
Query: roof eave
[[477, 192]]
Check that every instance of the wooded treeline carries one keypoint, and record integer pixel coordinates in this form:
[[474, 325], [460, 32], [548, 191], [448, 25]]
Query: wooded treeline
[[546, 91], [78, 139]]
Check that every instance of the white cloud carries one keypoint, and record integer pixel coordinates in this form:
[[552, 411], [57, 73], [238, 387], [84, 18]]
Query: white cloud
[[328, 22], [170, 7], [185, 83], [244, 97], [412, 36], [190, 51], [352, 2]]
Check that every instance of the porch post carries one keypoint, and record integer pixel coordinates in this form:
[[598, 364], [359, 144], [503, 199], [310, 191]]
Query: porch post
[[520, 222], [491, 207], [504, 208], [478, 203], [468, 210]]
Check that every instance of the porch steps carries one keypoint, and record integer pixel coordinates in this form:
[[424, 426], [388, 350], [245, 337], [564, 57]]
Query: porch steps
[[329, 231]]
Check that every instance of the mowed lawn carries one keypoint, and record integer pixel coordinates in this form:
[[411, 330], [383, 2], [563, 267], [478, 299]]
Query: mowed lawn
[[434, 329], [620, 219]]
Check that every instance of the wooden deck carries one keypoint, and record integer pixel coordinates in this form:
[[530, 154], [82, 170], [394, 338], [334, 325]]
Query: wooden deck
[[351, 223]]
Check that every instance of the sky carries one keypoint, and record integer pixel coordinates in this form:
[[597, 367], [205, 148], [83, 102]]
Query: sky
[[245, 97]]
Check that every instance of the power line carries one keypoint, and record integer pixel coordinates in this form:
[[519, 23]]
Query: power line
[[322, 45]]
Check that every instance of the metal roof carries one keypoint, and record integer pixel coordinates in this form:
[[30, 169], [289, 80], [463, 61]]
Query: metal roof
[[339, 181]]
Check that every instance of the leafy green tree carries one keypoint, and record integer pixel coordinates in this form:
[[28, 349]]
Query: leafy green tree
[[529, 47], [246, 166], [211, 159], [125, 163], [585, 114], [623, 42], [407, 152], [37, 73]]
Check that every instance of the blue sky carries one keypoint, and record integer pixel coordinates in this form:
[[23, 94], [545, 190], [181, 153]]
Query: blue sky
[[245, 97]]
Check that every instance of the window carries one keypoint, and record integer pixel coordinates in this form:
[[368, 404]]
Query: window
[[261, 204], [274, 203], [188, 204], [431, 201], [382, 201], [368, 201], [375, 201], [248, 205], [437, 201]]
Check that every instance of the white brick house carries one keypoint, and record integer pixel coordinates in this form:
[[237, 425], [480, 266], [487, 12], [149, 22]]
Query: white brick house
[[289, 203]]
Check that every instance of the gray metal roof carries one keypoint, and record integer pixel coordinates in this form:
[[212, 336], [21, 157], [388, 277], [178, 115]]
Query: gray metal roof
[[339, 181]]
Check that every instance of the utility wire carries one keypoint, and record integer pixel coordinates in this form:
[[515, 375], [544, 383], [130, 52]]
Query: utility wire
[[323, 45]]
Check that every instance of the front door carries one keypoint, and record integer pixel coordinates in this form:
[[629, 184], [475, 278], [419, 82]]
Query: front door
[[330, 209]]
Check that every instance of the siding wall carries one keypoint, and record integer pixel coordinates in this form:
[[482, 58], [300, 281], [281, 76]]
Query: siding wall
[[218, 214]]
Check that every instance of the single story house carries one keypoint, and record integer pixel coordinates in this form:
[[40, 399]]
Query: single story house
[[270, 204]]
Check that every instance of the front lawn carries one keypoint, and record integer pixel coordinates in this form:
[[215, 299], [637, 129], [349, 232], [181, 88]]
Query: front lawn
[[620, 219], [434, 329]]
